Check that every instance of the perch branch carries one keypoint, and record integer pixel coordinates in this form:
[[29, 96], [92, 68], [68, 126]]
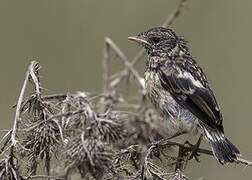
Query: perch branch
[[185, 149], [207, 152]]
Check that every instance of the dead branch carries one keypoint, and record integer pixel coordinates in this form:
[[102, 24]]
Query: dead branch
[[20, 99], [127, 64]]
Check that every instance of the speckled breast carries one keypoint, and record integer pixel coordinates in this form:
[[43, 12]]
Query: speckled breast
[[176, 117]]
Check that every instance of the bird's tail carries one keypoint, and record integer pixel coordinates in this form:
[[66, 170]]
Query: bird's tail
[[222, 148]]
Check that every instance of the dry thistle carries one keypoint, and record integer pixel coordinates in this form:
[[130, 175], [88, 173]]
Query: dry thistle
[[101, 136]]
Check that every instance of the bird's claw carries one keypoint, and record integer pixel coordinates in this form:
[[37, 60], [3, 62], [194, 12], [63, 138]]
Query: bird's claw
[[194, 155], [194, 150]]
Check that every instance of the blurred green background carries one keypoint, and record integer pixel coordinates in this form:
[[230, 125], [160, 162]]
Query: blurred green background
[[67, 38]]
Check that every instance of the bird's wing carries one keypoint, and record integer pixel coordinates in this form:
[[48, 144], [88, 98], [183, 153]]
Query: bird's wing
[[188, 85]]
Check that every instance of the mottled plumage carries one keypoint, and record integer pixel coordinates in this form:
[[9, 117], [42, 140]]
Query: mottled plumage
[[179, 90]]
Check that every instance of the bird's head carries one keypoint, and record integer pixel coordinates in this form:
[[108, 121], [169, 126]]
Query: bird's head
[[160, 41]]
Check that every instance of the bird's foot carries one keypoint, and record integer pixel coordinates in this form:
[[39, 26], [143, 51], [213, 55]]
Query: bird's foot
[[194, 149]]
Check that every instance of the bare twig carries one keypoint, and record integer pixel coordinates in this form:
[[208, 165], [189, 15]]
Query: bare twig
[[126, 62], [175, 13], [19, 104], [146, 161], [7, 136], [106, 66]]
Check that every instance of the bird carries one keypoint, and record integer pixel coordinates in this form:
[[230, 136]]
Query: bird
[[179, 90]]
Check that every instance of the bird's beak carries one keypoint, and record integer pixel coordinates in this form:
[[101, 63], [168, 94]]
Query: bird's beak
[[139, 40]]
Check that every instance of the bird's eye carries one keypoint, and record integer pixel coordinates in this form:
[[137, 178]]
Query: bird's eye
[[155, 39]]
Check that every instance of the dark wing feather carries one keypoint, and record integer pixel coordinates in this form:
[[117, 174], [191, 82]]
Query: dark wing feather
[[190, 89]]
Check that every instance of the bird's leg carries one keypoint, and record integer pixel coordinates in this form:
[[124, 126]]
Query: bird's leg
[[195, 148], [167, 138]]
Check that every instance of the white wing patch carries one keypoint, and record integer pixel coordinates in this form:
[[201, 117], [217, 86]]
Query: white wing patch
[[188, 75]]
